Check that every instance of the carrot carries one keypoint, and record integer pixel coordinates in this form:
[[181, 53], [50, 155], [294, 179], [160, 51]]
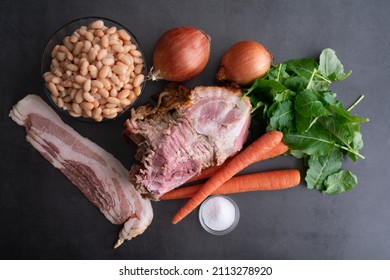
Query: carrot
[[207, 172], [262, 145], [262, 181], [281, 148]]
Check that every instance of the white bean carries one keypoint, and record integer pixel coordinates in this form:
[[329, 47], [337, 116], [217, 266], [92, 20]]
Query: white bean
[[111, 30], [137, 91], [48, 76], [138, 80], [111, 116], [72, 93], [135, 53], [98, 24], [117, 48], [92, 54], [114, 92], [89, 36], [97, 84], [60, 56], [76, 85], [68, 44], [115, 79], [73, 114], [119, 69], [131, 96], [77, 48], [138, 60], [79, 96], [104, 41], [54, 51], [108, 61], [53, 89], [106, 83], [73, 38], [138, 68], [101, 54], [86, 106], [127, 59], [76, 108], [96, 112], [84, 68], [80, 79], [67, 99], [98, 33], [113, 100], [95, 103], [56, 80], [93, 71], [88, 97], [93, 90], [87, 114], [123, 94], [126, 48], [87, 85], [87, 46], [72, 67], [103, 92], [66, 83], [124, 35], [125, 102]]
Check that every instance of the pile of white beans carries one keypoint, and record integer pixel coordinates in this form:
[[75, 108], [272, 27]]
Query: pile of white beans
[[96, 73]]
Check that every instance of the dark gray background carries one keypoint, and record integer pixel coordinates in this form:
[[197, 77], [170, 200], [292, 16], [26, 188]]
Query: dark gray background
[[43, 216]]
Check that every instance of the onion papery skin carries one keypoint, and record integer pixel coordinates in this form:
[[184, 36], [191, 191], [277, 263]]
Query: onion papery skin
[[244, 62], [180, 54]]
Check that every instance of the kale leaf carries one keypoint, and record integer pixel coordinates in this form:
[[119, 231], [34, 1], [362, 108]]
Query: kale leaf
[[320, 167], [331, 67], [340, 182], [294, 98]]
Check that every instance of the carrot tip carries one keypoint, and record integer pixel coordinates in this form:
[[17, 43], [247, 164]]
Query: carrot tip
[[175, 220]]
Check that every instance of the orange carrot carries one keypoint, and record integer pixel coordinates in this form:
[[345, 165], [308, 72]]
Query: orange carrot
[[262, 145], [263, 181], [281, 148], [207, 172]]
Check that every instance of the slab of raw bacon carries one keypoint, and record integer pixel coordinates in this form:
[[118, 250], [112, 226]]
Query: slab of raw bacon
[[95, 172]]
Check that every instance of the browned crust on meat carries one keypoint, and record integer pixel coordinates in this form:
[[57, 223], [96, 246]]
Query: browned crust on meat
[[172, 97]]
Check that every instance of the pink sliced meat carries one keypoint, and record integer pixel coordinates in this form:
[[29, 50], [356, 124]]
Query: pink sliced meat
[[95, 172], [187, 131]]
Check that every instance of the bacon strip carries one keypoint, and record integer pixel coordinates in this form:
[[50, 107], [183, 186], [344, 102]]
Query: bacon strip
[[95, 172]]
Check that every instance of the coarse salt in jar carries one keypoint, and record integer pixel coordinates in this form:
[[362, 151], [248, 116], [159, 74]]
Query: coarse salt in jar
[[219, 215]]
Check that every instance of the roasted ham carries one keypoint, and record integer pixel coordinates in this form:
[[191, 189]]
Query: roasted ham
[[95, 172], [186, 131]]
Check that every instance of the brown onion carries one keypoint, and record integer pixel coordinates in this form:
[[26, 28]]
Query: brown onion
[[180, 54], [244, 62]]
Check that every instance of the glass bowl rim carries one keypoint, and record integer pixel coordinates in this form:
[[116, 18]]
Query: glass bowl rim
[[134, 39]]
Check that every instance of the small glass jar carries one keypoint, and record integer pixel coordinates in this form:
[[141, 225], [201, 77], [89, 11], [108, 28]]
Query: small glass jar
[[205, 210]]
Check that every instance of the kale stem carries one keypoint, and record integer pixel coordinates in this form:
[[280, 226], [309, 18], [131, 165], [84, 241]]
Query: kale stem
[[311, 78], [355, 103], [350, 150], [312, 122], [323, 78], [279, 70]]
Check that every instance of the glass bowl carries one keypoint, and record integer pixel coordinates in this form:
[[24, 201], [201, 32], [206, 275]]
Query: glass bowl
[[70, 89], [205, 221]]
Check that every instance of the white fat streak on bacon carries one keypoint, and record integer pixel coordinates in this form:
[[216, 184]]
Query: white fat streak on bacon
[[97, 174]]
